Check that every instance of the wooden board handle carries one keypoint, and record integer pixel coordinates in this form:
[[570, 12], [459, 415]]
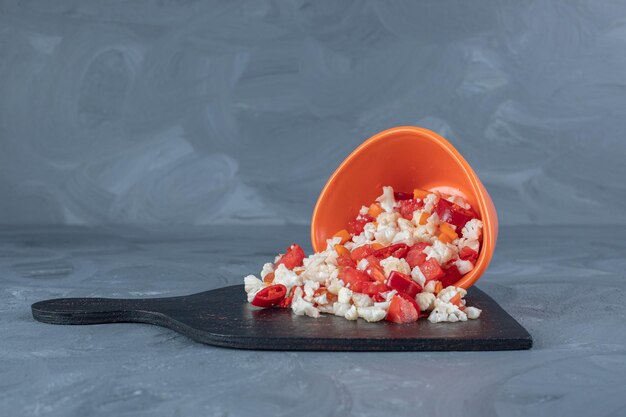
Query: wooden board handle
[[94, 310]]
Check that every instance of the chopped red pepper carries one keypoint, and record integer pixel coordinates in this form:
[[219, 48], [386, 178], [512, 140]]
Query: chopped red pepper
[[269, 296], [345, 261], [468, 254], [431, 270], [374, 270], [403, 284], [356, 226], [398, 250], [454, 214], [416, 256], [452, 275], [370, 288], [407, 207], [292, 258], [402, 309], [361, 252], [399, 195], [352, 277]]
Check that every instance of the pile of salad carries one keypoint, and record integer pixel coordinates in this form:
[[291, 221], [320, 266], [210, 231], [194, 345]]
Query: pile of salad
[[397, 260]]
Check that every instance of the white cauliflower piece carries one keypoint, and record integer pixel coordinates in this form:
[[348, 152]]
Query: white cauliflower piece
[[385, 234], [387, 200], [288, 278], [319, 273], [267, 268], [368, 230], [472, 312], [394, 264], [405, 237], [463, 266], [334, 286], [470, 243], [309, 289], [340, 309], [444, 311], [362, 300], [352, 313], [441, 252], [364, 210], [449, 292], [472, 229], [430, 286], [418, 276], [252, 285], [301, 307], [425, 300], [344, 295], [459, 201], [321, 299], [430, 201], [362, 265], [371, 314], [432, 224]]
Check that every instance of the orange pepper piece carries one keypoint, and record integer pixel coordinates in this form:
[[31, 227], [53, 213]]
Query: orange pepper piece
[[419, 193], [269, 278], [375, 210], [424, 218], [444, 238], [342, 250], [344, 235], [377, 246], [438, 287], [448, 230]]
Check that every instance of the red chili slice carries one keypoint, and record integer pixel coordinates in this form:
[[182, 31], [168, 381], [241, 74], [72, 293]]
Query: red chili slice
[[403, 284], [269, 296]]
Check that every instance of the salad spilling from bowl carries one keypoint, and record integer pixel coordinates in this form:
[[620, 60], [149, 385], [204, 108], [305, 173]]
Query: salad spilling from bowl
[[397, 260]]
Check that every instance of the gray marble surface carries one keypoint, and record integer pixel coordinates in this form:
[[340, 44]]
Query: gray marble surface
[[566, 285]]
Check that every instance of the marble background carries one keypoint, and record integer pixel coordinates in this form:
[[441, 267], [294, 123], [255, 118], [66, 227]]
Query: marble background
[[199, 112]]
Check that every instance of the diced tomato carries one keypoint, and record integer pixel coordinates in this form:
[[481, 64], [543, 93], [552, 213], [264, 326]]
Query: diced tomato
[[402, 310], [454, 214], [399, 195], [416, 256], [468, 254], [398, 250], [352, 276], [403, 283], [431, 270], [356, 226], [269, 296], [452, 275], [374, 270], [361, 252], [407, 207], [292, 258], [370, 288], [345, 261]]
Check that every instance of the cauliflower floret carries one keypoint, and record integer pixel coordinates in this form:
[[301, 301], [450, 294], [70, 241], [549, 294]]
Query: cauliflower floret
[[319, 273], [321, 300], [430, 201], [288, 278], [387, 200], [335, 285], [418, 276], [470, 243], [463, 266], [362, 265], [449, 292], [472, 229], [443, 311], [352, 313], [309, 289], [344, 295], [432, 224], [340, 309], [385, 234], [405, 225], [459, 201], [252, 285], [362, 300], [368, 230], [394, 264], [430, 286], [405, 237], [371, 314], [425, 300], [388, 219], [441, 252], [302, 307], [421, 234], [472, 312], [267, 268], [364, 210]]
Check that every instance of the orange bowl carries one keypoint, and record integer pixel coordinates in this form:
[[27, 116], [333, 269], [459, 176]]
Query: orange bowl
[[405, 158]]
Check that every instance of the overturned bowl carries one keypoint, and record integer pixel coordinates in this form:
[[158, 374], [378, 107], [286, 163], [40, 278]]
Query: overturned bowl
[[405, 157]]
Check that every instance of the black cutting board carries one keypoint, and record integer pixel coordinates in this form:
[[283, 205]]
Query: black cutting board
[[222, 317]]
